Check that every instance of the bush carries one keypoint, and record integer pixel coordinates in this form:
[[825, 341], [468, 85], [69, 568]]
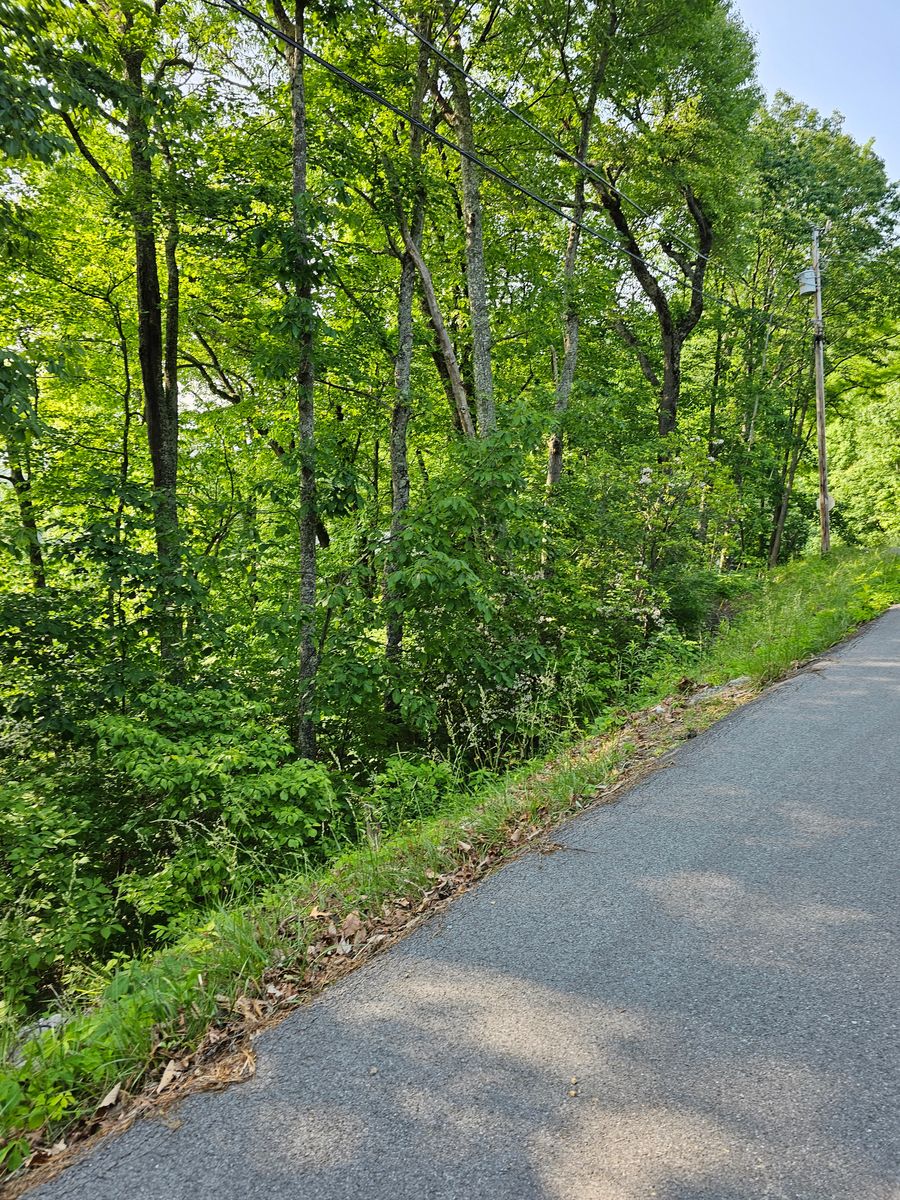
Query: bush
[[54, 898], [408, 789], [224, 788], [191, 797]]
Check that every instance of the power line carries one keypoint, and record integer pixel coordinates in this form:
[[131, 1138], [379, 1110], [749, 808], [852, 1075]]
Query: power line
[[430, 131], [551, 141], [338, 72]]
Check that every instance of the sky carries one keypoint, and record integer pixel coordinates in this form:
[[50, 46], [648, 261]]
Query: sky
[[832, 54]]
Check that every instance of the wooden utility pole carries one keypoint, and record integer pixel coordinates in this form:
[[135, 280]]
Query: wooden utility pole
[[819, 341]]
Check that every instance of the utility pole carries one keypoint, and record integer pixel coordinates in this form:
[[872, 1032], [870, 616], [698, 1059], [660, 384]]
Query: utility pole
[[819, 340], [810, 280]]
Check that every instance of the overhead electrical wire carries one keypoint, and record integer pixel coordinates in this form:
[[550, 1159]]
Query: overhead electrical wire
[[266, 26], [551, 141]]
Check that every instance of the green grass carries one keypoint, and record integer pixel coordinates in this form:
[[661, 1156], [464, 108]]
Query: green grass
[[159, 1007], [801, 610]]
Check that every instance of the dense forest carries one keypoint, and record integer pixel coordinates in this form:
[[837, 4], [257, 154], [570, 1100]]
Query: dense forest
[[384, 391]]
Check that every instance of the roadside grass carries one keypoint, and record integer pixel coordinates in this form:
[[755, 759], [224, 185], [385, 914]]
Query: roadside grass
[[787, 616], [181, 1017], [802, 609]]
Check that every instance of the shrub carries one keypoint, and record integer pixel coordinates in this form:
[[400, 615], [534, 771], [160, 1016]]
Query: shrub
[[408, 789], [54, 901], [116, 842]]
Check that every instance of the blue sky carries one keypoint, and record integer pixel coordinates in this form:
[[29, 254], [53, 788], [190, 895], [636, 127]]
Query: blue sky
[[835, 55]]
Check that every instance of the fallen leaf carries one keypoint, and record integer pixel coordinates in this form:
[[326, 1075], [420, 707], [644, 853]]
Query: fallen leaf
[[169, 1075], [351, 925], [465, 847], [111, 1097], [248, 1008], [343, 946]]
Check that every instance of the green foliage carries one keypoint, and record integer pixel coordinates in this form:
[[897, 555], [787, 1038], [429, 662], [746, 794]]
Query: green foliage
[[408, 790], [54, 900], [200, 793], [865, 464]]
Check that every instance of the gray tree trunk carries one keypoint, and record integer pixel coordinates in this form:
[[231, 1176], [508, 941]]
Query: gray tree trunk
[[403, 374], [565, 378], [399, 455], [476, 273], [305, 382], [448, 354]]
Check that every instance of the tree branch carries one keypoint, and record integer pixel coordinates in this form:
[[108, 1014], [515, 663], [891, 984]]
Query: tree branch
[[89, 157], [630, 338]]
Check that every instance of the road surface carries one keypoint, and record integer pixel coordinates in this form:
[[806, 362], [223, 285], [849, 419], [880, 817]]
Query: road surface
[[714, 959]]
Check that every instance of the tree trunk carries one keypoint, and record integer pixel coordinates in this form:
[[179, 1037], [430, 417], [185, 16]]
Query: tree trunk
[[403, 373], [21, 481], [457, 389], [788, 488], [116, 610], [160, 394], [671, 383], [781, 518], [476, 274], [711, 447], [565, 378], [399, 450], [173, 296], [305, 379], [672, 333]]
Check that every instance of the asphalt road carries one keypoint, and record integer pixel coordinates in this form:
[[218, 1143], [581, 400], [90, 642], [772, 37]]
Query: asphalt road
[[716, 964]]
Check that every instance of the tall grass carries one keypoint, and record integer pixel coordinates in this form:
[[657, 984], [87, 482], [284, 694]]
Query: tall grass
[[802, 609]]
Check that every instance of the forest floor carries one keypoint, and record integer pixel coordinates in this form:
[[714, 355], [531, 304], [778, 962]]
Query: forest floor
[[690, 992]]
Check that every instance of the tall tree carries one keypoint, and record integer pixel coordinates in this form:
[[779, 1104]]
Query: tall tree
[[304, 278]]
